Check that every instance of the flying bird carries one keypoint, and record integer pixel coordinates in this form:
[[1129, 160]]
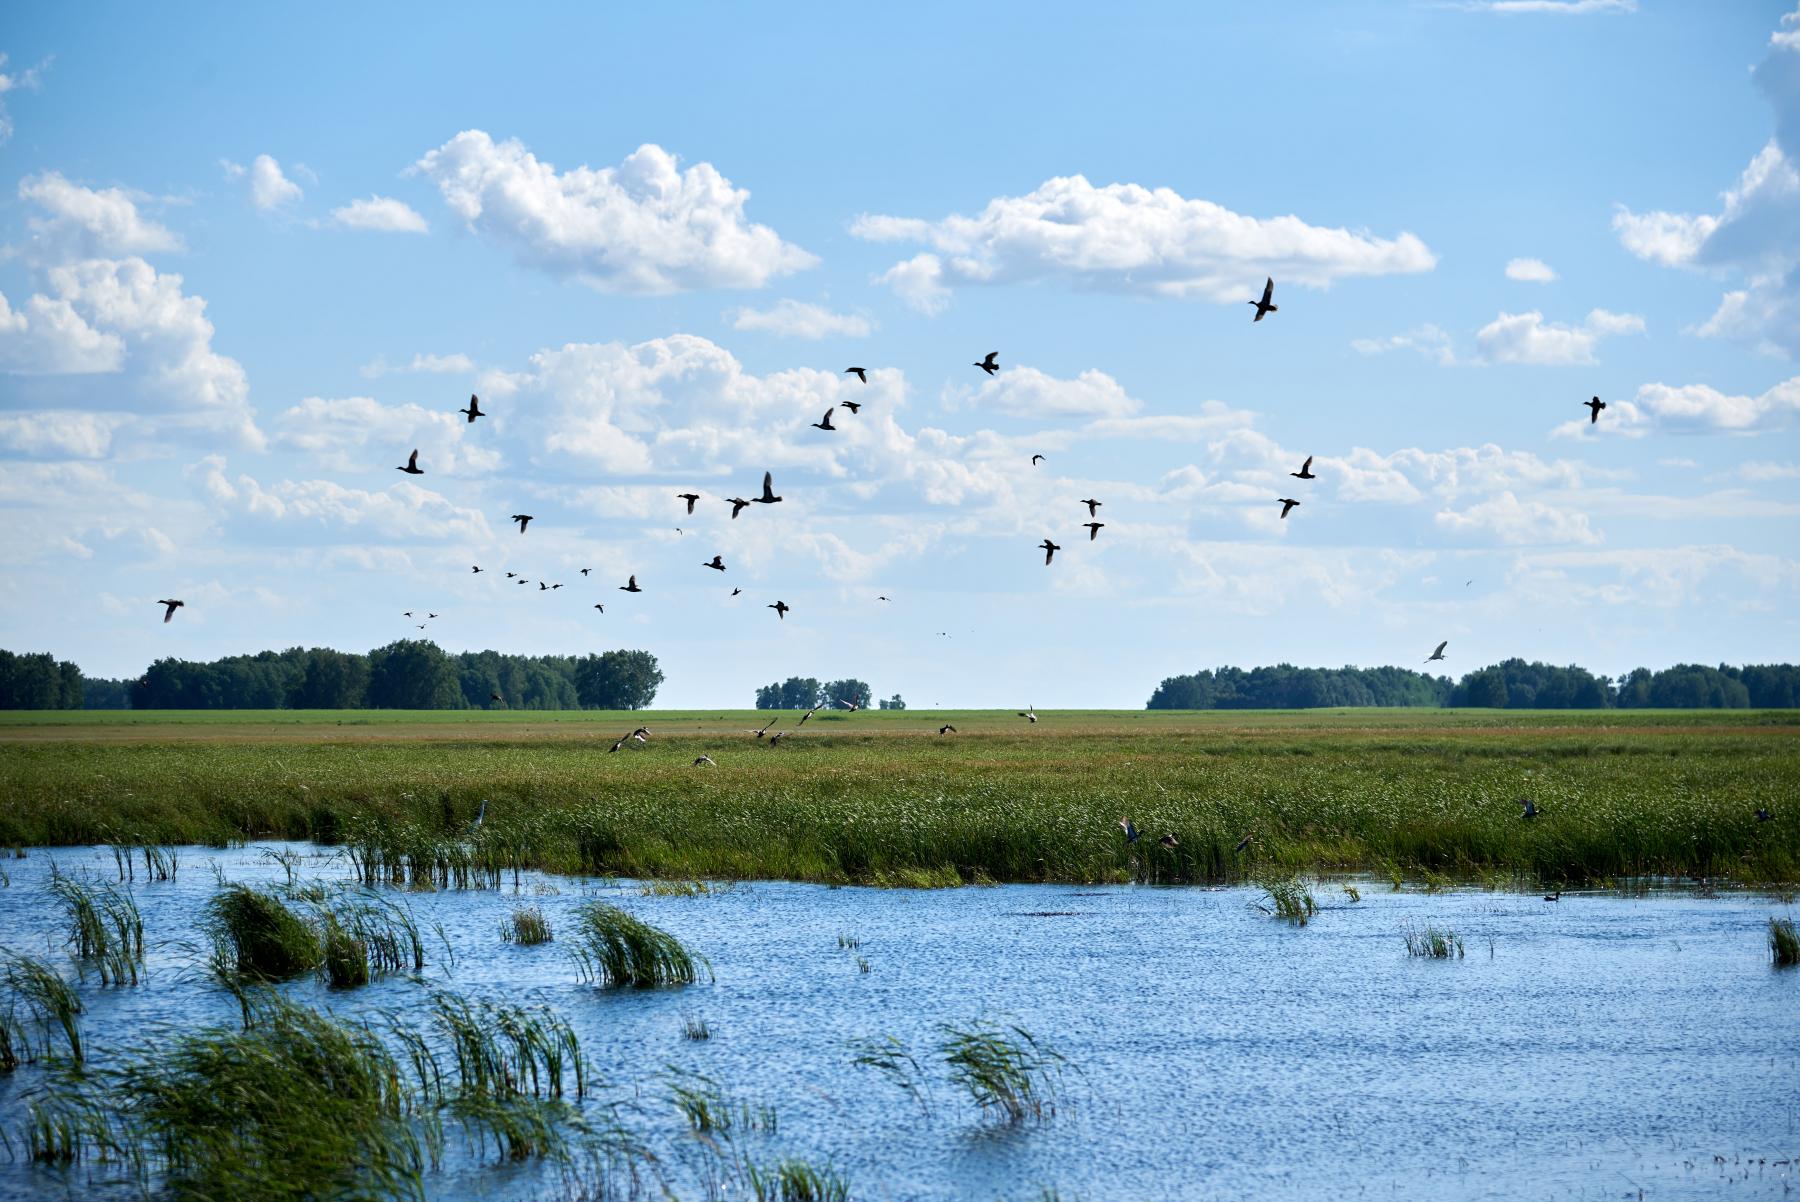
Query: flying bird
[[883, 598], [601, 608], [690, 498], [1130, 829], [824, 423], [1594, 407], [1530, 808], [474, 409], [524, 520], [510, 575], [494, 697], [768, 497], [630, 586], [703, 759], [475, 569], [1287, 504], [736, 591], [858, 372], [1246, 841], [852, 406], [1092, 506], [776, 737], [991, 364], [406, 613], [1036, 459], [1439, 653], [429, 615], [849, 705], [1029, 713], [554, 587], [542, 587], [1169, 841], [717, 564], [1050, 550], [1264, 306], [765, 726], [1305, 472], [170, 608], [585, 571], [522, 580], [946, 729], [412, 467], [738, 505], [780, 608], [809, 713], [1093, 529]]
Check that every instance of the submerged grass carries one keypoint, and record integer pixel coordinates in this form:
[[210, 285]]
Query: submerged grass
[[256, 936], [38, 1005], [527, 926], [1002, 1068], [106, 932], [880, 799], [1784, 943], [1287, 897], [1431, 942], [796, 1181], [613, 948]]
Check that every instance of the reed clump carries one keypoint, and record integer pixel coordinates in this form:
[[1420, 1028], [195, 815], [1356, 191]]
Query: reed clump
[[1287, 898], [256, 936], [796, 1181], [613, 948], [1003, 1068], [527, 926], [1432, 942], [1784, 943], [106, 931], [39, 1004]]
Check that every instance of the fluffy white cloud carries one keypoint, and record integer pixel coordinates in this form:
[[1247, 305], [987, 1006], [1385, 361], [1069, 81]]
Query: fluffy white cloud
[[1028, 392], [1528, 338], [1530, 271], [1427, 339], [1691, 409], [796, 319], [644, 226], [1127, 238], [383, 214], [1756, 233], [443, 365], [1519, 523], [323, 507], [48, 337], [360, 433], [59, 434], [9, 82], [81, 223], [270, 188], [1760, 472]]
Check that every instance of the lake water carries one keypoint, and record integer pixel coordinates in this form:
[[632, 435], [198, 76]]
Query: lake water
[[1586, 1049]]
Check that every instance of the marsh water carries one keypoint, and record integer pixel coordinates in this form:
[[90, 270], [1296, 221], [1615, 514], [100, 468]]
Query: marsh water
[[1589, 1048]]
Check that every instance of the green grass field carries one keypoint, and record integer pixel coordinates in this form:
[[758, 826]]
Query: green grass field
[[880, 797]]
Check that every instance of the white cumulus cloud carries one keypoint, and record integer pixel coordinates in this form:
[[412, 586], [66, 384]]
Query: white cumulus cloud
[[1528, 338], [797, 319], [1520, 523], [270, 188], [79, 222], [1530, 271], [383, 214], [1692, 409]]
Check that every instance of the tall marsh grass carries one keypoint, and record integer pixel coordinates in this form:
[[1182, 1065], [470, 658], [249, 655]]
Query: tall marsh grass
[[1784, 944], [38, 1006], [106, 932], [1287, 897], [612, 948], [256, 936], [796, 1181], [1003, 1068], [1432, 942], [527, 926]]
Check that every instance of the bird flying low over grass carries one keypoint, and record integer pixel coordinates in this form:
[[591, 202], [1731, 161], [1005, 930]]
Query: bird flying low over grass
[[1439, 653], [858, 372], [1130, 829], [1029, 713], [1169, 841], [703, 759], [1765, 815], [1529, 808], [169, 608], [412, 467], [1244, 843], [524, 520], [991, 364], [1266, 305], [1594, 407], [474, 409], [946, 729]]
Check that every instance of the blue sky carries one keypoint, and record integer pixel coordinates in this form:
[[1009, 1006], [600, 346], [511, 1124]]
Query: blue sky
[[253, 259]]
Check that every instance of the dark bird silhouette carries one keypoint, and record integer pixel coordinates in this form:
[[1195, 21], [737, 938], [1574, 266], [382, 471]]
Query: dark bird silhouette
[[554, 587], [421, 625], [474, 409], [1092, 506], [852, 406], [883, 598], [736, 591], [738, 505], [858, 372], [1530, 809], [494, 697], [169, 609], [601, 608], [1050, 550], [511, 575], [1130, 829], [1439, 653], [780, 608], [690, 498], [1029, 713], [1265, 305], [630, 586], [542, 587], [1036, 459], [824, 423], [991, 364], [1594, 407], [1557, 896], [765, 726], [431, 615], [1305, 472], [849, 705], [1093, 529], [776, 737], [1765, 815], [1245, 842], [1169, 841], [475, 569], [524, 520], [412, 467], [1287, 505], [703, 759], [522, 580], [809, 713], [768, 497], [585, 571], [946, 729], [406, 613], [717, 564]]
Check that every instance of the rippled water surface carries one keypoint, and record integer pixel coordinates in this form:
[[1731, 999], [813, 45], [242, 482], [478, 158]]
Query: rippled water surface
[[1589, 1048]]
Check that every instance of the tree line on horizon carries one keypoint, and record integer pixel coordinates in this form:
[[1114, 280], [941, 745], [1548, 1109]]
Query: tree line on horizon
[[408, 674], [1510, 684], [806, 692]]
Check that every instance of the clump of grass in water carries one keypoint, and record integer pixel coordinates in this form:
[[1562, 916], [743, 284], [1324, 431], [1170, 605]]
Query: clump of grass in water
[[613, 948], [796, 1181], [256, 936], [1287, 898], [528, 926], [1003, 1068], [849, 940], [38, 1002], [1784, 943], [1430, 942], [694, 1027], [1353, 893], [346, 958], [106, 930], [707, 1109], [889, 1057]]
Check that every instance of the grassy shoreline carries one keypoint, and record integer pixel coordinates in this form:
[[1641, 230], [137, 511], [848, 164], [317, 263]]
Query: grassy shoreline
[[881, 798]]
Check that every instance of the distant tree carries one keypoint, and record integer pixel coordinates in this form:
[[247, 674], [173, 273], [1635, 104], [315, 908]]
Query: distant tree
[[893, 703], [617, 680], [849, 691], [412, 674], [768, 697], [331, 680], [101, 694], [1485, 688], [800, 693]]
